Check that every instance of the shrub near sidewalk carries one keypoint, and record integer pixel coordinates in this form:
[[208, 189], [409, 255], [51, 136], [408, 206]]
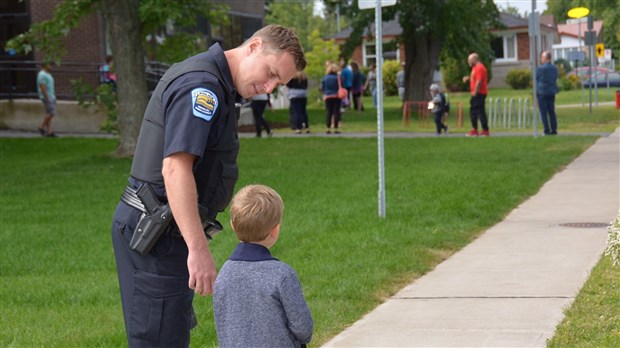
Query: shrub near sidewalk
[[58, 285]]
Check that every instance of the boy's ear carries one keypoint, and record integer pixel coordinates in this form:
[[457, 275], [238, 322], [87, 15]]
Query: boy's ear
[[276, 231]]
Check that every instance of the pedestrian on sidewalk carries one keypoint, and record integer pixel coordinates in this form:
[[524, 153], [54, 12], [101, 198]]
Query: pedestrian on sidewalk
[[47, 94], [329, 87], [298, 97], [438, 107], [258, 104], [546, 89], [478, 86], [257, 299]]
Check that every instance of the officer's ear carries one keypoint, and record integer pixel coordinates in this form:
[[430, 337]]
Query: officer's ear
[[254, 45]]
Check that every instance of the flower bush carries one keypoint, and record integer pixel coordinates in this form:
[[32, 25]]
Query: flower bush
[[613, 242]]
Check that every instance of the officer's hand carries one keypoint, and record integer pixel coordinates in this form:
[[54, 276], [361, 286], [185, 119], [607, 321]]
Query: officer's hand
[[202, 272]]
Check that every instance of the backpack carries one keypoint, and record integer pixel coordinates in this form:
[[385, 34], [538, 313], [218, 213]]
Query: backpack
[[445, 103]]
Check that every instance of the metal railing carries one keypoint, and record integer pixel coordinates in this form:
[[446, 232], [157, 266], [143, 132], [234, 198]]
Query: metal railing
[[510, 113], [18, 78]]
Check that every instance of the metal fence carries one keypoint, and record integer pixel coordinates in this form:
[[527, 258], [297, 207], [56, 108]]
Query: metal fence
[[18, 78], [508, 113]]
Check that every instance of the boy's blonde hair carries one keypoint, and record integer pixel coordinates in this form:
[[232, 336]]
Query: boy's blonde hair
[[255, 211]]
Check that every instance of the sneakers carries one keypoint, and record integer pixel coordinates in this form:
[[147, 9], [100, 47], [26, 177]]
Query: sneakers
[[472, 133], [42, 131], [485, 133]]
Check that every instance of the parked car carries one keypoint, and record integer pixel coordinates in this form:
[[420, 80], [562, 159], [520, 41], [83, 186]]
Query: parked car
[[611, 79], [584, 71]]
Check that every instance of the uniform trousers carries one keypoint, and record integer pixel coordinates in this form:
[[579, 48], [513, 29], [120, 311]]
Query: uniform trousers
[[156, 299]]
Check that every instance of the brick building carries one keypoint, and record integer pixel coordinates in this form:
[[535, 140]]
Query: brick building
[[87, 45]]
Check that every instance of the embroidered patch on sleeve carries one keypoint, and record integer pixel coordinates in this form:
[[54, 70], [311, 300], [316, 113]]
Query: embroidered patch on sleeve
[[204, 103]]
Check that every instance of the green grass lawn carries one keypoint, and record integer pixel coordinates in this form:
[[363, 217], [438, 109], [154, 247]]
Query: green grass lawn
[[605, 118], [58, 285]]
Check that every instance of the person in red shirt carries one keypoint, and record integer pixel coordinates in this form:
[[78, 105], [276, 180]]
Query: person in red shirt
[[478, 81]]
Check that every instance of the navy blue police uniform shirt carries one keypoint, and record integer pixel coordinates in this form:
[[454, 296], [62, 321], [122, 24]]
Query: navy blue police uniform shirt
[[195, 108]]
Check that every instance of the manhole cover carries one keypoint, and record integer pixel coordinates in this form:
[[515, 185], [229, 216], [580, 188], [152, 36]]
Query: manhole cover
[[585, 224]]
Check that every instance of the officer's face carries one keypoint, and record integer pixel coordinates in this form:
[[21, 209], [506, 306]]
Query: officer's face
[[262, 71]]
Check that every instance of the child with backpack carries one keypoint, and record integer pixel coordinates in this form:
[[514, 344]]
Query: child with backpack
[[440, 108]]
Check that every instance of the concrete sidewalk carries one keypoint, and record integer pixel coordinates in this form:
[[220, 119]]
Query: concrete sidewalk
[[510, 286]]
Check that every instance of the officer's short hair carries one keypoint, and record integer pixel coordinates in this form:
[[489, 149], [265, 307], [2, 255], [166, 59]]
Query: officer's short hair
[[279, 38], [254, 212]]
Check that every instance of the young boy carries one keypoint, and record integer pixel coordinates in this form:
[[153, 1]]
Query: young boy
[[438, 108], [257, 299]]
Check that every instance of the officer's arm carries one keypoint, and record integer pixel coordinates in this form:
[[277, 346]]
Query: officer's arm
[[183, 198]]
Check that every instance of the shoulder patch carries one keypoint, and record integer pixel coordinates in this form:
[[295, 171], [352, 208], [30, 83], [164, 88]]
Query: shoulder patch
[[204, 103]]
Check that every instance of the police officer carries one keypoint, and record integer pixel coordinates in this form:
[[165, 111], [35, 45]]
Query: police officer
[[186, 154]]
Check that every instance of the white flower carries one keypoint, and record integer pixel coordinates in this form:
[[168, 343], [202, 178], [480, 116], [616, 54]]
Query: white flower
[[613, 241]]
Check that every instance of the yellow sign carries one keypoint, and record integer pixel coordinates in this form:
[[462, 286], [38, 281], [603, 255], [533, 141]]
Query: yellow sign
[[578, 12], [600, 50]]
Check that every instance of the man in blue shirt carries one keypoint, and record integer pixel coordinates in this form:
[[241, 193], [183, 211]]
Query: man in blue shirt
[[45, 87], [546, 89]]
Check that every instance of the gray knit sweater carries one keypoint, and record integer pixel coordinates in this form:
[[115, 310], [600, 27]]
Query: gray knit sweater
[[258, 302]]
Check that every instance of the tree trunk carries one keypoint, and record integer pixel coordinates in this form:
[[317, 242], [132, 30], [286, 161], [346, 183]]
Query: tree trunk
[[422, 56], [127, 49]]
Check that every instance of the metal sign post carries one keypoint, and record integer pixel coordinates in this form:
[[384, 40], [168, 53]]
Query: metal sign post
[[366, 4], [534, 32]]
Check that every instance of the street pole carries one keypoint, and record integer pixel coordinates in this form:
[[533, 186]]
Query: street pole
[[380, 143]]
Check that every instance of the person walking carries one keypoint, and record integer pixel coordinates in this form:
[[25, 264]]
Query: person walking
[[329, 87], [546, 89], [478, 86], [438, 108], [47, 95], [258, 103], [183, 174], [371, 82], [357, 87], [298, 98]]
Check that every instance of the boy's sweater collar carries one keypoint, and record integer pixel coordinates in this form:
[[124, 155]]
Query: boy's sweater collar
[[251, 252]]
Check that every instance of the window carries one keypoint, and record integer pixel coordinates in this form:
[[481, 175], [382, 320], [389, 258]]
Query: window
[[505, 47]]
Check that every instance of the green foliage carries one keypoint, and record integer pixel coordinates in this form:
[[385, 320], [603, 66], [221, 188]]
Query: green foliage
[[322, 51], [519, 78], [103, 98], [452, 71], [568, 82], [390, 69], [563, 66], [606, 10], [293, 14], [177, 47], [48, 35]]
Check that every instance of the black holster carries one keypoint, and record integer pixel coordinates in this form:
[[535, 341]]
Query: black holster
[[157, 217]]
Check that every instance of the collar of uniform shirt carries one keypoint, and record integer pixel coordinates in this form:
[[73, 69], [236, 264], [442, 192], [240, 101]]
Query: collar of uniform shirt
[[222, 64], [251, 252]]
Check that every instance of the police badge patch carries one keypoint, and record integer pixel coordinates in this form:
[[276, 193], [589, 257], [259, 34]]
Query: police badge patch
[[204, 103]]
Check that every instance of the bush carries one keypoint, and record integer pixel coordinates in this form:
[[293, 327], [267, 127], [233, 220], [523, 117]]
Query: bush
[[390, 68], [563, 66], [453, 71], [568, 82], [519, 78]]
